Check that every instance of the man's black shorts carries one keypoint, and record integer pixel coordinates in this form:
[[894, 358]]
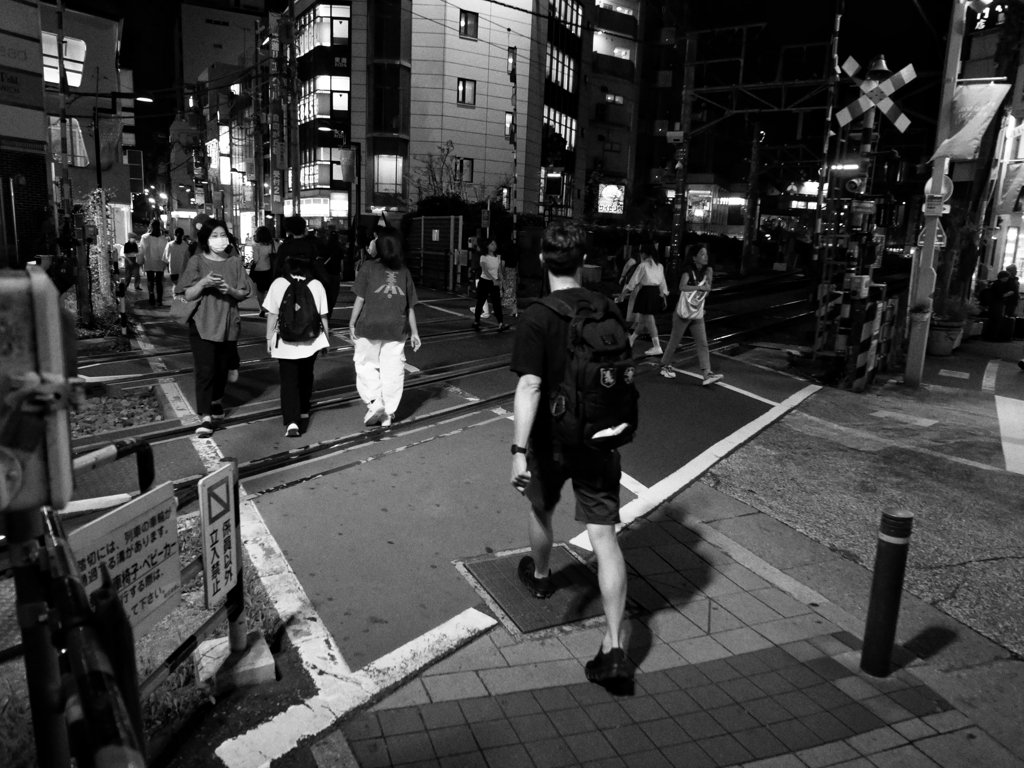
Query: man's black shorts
[[595, 481]]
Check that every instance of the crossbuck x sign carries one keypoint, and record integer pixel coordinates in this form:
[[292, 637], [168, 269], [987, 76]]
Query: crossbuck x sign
[[876, 94]]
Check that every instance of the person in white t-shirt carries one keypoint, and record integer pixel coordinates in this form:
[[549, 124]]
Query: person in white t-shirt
[[488, 286], [295, 359]]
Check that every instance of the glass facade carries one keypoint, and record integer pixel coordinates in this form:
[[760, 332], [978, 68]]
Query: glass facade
[[322, 25]]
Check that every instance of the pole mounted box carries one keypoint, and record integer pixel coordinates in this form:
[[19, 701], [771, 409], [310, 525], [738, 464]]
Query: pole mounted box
[[36, 358], [675, 137]]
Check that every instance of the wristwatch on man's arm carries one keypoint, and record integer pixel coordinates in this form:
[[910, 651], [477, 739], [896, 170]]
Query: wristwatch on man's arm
[[517, 449]]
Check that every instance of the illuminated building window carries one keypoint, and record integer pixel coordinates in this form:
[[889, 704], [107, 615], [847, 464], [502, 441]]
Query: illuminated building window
[[614, 98], [78, 156], [466, 91], [563, 124], [569, 13], [387, 174], [465, 170], [325, 25], [1010, 247], [561, 70], [468, 24], [74, 59], [322, 95]]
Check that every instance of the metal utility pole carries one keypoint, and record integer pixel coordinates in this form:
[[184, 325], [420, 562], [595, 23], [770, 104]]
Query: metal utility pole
[[750, 213], [681, 157], [292, 112], [823, 171], [923, 280]]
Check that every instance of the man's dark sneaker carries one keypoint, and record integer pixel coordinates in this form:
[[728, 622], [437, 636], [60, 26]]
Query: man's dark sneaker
[[608, 667], [217, 411], [542, 589]]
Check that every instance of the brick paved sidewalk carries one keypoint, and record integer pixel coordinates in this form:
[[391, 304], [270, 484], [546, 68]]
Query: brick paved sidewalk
[[731, 670]]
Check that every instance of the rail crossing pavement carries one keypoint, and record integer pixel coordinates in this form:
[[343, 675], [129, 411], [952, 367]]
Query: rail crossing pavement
[[371, 537]]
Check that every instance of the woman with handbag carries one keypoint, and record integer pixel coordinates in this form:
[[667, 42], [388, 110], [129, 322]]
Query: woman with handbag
[[648, 291], [262, 270], [215, 282], [694, 287]]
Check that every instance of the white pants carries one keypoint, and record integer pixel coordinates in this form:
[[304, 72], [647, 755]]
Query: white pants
[[380, 371]]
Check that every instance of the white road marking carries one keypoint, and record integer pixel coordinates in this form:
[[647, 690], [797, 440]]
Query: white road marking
[[172, 390], [913, 420], [339, 694], [447, 311], [954, 374], [988, 384], [632, 484], [661, 491], [1011, 431], [113, 377], [724, 385]]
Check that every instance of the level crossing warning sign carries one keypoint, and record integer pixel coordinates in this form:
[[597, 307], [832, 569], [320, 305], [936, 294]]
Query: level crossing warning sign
[[221, 558], [138, 545]]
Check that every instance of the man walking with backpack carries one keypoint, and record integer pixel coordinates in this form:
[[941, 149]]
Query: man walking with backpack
[[574, 405]]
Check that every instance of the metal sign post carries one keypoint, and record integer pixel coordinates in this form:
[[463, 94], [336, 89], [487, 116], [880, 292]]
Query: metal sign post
[[222, 548]]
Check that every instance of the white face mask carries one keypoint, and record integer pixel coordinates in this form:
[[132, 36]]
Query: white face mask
[[218, 243]]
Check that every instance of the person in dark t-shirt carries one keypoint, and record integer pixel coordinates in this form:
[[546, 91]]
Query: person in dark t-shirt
[[540, 466]]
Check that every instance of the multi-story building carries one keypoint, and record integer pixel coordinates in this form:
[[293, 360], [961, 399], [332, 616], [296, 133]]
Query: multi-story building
[[377, 105]]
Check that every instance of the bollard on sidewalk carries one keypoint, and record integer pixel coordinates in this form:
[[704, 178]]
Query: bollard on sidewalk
[[886, 591]]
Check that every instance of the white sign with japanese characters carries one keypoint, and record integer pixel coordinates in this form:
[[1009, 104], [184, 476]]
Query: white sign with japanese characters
[[221, 562], [138, 544]]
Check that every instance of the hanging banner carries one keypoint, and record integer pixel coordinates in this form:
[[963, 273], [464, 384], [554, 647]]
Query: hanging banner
[[1012, 184], [974, 106]]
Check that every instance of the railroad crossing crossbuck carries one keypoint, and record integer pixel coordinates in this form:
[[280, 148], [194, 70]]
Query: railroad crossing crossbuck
[[876, 94]]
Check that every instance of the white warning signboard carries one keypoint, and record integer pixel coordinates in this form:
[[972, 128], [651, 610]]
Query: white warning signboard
[[221, 558], [138, 544]]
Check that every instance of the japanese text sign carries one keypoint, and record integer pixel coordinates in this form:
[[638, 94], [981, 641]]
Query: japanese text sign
[[221, 563], [138, 544]]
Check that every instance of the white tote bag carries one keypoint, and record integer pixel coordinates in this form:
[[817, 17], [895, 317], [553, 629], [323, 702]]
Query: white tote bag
[[691, 303]]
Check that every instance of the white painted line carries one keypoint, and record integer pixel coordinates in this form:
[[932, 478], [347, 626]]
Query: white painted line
[[447, 311], [954, 374], [871, 438], [682, 477], [988, 383], [172, 390], [723, 385], [902, 417], [1011, 431], [114, 377], [340, 694], [632, 485]]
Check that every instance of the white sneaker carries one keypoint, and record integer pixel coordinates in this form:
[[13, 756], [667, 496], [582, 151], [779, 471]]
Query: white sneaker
[[205, 429], [711, 378], [667, 372], [292, 430], [654, 351], [386, 421], [373, 413], [232, 375]]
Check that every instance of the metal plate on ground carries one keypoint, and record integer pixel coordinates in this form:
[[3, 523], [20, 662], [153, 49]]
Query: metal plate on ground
[[577, 596]]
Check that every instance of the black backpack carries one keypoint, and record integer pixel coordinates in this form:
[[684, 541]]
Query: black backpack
[[597, 394], [298, 319]]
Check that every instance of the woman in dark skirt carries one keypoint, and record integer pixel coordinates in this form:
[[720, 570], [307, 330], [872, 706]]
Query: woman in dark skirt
[[648, 291]]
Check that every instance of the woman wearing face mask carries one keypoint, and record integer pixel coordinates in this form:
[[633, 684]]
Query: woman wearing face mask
[[695, 285], [216, 277]]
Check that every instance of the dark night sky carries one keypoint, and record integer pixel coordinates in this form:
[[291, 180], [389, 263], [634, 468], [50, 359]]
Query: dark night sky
[[906, 31]]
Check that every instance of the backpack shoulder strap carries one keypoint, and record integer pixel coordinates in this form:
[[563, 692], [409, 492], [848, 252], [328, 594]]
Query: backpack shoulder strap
[[559, 306]]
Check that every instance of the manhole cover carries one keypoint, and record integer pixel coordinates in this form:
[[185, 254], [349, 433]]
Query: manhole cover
[[577, 596]]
